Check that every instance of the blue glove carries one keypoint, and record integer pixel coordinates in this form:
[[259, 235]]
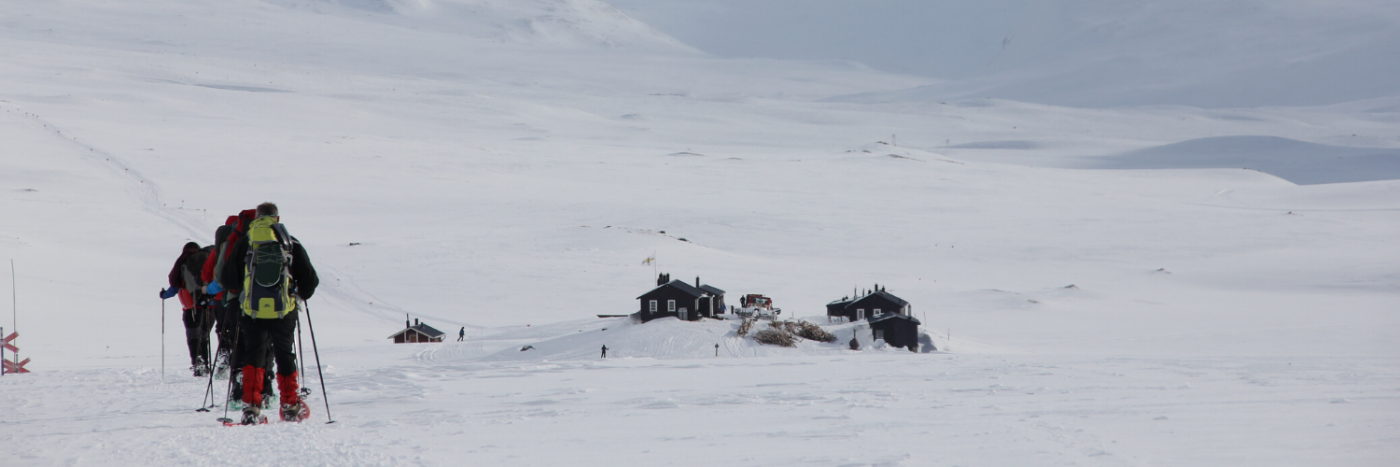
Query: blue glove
[[213, 288], [167, 293]]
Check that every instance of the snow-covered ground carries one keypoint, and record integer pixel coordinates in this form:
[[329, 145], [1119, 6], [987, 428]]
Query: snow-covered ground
[[505, 166]]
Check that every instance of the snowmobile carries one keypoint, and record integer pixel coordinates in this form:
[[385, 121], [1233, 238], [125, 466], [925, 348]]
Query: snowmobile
[[758, 306]]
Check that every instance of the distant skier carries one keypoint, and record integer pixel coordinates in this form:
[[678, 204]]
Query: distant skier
[[461, 335], [274, 272], [605, 351]]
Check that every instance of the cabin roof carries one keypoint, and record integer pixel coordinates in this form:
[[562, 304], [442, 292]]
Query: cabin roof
[[843, 302], [422, 328], [880, 293], [882, 317], [681, 285], [712, 289]]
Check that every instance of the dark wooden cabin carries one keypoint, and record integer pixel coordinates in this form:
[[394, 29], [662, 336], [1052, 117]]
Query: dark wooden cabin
[[418, 332], [868, 305], [678, 299], [898, 330]]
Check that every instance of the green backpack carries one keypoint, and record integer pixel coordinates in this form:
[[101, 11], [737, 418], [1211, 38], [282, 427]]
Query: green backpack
[[267, 282]]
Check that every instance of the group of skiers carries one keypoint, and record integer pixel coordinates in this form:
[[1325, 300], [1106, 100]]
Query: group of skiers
[[248, 288]]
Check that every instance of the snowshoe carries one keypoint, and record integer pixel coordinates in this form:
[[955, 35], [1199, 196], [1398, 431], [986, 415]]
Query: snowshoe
[[200, 368], [221, 366], [253, 416], [295, 412]]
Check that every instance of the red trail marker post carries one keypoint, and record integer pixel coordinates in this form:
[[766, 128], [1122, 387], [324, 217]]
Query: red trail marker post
[[12, 366]]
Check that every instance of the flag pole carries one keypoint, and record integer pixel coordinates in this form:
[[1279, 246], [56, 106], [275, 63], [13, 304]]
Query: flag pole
[[14, 309]]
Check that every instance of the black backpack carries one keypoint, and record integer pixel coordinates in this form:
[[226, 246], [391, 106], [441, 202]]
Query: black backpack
[[194, 265]]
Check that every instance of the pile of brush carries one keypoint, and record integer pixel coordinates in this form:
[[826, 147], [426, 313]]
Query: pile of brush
[[810, 331], [786, 333], [775, 336]]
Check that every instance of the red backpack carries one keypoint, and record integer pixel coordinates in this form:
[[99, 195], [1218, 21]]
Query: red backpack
[[240, 230]]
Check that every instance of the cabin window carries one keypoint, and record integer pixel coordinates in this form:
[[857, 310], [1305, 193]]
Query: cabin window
[[879, 334], [877, 311], [670, 305], [860, 314], [653, 306]]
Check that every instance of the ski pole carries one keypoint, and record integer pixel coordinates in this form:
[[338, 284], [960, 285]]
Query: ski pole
[[232, 360], [209, 389], [162, 340], [301, 360], [317, 352]]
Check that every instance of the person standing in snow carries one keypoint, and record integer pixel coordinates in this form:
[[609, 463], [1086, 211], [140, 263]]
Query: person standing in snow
[[605, 350], [275, 273], [461, 335], [197, 316], [239, 352]]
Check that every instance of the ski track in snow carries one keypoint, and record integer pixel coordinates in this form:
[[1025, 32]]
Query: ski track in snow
[[150, 197], [148, 191]]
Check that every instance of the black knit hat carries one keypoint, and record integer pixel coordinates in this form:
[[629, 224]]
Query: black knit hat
[[221, 233]]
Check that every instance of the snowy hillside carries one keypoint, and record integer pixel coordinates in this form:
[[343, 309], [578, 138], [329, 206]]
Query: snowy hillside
[[504, 168]]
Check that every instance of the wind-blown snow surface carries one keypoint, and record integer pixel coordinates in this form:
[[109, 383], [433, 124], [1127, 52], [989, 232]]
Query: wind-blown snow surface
[[509, 179]]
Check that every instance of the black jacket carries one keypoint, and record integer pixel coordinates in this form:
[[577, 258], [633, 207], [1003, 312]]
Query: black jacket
[[304, 279]]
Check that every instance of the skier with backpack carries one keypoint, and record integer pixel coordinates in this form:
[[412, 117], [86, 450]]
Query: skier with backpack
[[239, 351], [223, 317], [197, 313], [273, 273], [226, 316]]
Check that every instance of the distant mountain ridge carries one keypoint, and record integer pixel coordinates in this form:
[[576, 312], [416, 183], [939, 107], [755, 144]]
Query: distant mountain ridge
[[1108, 53], [558, 23]]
